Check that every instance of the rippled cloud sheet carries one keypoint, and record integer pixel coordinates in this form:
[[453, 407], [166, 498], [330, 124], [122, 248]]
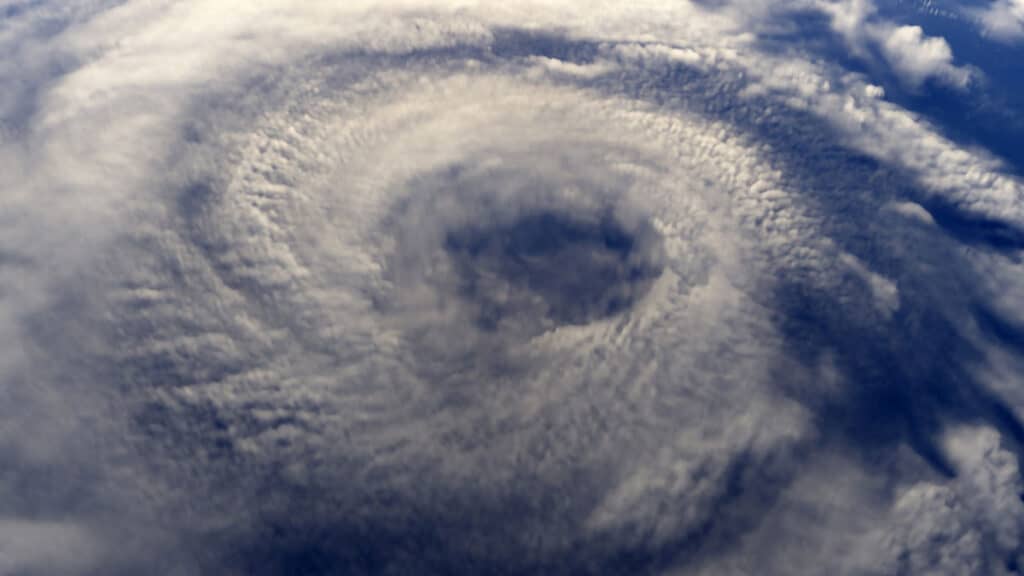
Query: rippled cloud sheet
[[511, 288]]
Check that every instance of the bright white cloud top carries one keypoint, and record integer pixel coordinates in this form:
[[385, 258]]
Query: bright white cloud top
[[490, 287]]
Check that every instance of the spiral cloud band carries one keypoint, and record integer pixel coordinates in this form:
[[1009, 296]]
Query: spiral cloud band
[[489, 287]]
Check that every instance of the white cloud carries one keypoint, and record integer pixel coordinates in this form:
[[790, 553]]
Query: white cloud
[[1002, 19], [913, 211], [969, 178], [917, 57], [884, 290], [912, 55], [849, 18]]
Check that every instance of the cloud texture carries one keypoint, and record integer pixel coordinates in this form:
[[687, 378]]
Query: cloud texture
[[445, 287], [1003, 20]]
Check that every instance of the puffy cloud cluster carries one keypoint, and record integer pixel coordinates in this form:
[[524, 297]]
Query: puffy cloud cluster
[[918, 57], [1003, 19], [543, 287], [911, 54], [968, 526]]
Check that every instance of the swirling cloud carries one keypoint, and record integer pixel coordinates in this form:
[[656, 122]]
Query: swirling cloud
[[448, 287]]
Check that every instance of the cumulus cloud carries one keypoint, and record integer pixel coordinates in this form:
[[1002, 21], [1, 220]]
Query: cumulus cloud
[[917, 57], [913, 56], [559, 288], [1002, 20]]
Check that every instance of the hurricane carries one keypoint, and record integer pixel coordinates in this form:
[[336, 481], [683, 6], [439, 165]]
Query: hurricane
[[473, 287]]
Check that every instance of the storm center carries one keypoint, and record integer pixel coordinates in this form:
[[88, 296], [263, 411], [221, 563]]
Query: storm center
[[547, 268]]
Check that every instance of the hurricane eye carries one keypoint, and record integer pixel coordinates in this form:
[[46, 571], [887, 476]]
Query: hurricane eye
[[557, 268]]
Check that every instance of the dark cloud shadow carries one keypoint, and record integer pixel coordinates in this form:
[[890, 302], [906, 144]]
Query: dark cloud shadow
[[988, 233]]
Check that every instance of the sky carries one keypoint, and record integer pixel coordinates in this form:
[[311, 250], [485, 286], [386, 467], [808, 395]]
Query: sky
[[648, 287]]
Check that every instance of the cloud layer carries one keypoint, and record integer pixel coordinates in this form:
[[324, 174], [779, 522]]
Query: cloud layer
[[477, 287]]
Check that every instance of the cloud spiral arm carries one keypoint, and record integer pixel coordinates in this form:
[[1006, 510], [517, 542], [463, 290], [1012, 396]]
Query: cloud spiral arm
[[285, 318]]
